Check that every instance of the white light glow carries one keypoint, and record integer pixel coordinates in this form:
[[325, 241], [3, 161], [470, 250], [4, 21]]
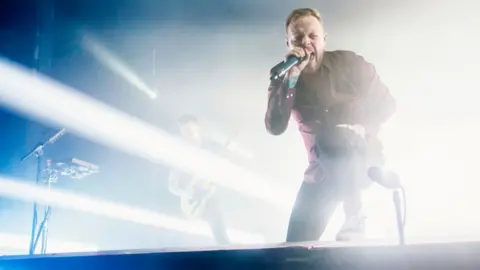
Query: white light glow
[[114, 63], [16, 189], [53, 103]]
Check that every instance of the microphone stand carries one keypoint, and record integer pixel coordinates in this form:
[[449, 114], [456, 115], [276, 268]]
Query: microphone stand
[[399, 218], [390, 180], [43, 230]]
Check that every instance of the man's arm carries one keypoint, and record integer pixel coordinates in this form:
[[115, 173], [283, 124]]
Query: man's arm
[[281, 97], [174, 183], [378, 105]]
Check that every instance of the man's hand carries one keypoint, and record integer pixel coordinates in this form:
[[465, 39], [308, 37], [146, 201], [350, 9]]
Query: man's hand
[[358, 129], [300, 53], [188, 193]]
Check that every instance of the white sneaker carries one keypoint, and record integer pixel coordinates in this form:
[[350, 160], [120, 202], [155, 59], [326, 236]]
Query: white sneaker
[[353, 229]]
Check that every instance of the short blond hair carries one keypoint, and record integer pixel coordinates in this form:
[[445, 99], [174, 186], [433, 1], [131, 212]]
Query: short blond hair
[[302, 12]]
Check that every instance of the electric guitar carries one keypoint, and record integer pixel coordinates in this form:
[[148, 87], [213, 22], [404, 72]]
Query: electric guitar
[[198, 192]]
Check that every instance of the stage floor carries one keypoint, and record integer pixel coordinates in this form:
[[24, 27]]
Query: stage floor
[[312, 255]]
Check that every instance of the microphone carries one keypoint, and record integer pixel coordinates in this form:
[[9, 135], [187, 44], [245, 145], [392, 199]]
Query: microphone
[[57, 136], [283, 67], [38, 149], [384, 178]]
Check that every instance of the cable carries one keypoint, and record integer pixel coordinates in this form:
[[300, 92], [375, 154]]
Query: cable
[[41, 228], [34, 227], [404, 206]]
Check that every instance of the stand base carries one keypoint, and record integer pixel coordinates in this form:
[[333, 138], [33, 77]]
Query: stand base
[[301, 256]]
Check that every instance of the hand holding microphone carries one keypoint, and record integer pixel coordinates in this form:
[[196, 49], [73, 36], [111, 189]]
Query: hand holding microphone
[[295, 62], [303, 55]]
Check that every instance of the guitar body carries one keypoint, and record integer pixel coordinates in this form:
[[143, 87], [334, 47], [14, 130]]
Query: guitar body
[[195, 200], [197, 194]]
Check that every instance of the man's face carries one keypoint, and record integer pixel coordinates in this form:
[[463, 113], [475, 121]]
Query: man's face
[[190, 130], [307, 32]]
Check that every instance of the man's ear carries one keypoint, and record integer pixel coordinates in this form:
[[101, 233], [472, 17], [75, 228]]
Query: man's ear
[[287, 42]]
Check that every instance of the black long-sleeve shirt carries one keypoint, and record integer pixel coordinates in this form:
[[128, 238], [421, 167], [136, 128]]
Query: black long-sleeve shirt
[[345, 90]]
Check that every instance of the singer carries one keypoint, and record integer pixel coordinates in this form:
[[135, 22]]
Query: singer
[[339, 103]]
